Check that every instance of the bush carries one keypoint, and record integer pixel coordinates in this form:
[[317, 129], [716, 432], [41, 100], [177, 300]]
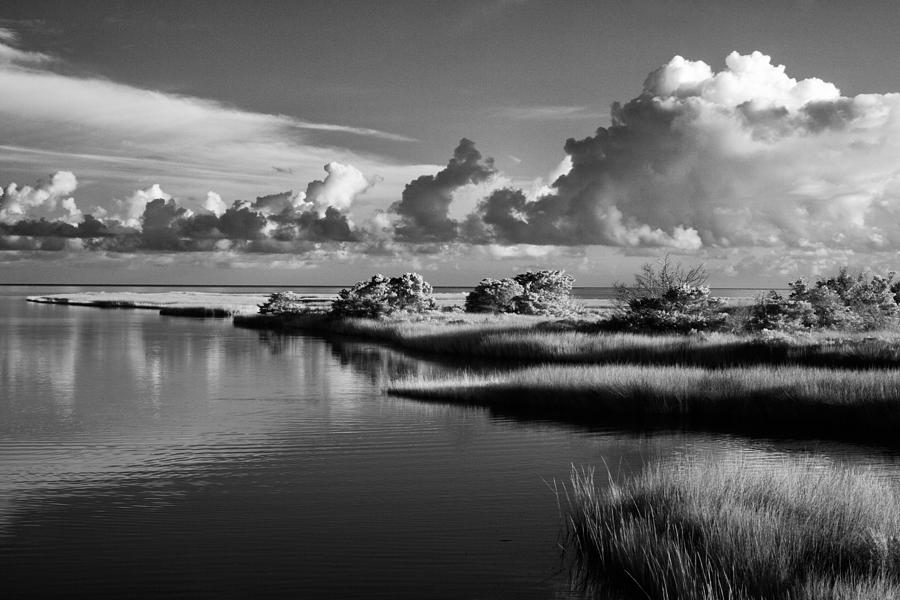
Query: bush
[[845, 302], [683, 309], [410, 292], [774, 312], [667, 297], [654, 280], [494, 296], [381, 296], [288, 303], [547, 293]]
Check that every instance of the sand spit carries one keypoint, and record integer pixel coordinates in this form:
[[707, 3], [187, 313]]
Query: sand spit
[[199, 304]]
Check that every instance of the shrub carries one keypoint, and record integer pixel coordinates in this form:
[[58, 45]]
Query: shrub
[[654, 280], [668, 297], [494, 296], [774, 312], [287, 303], [545, 293], [381, 296], [845, 301], [410, 292], [683, 309]]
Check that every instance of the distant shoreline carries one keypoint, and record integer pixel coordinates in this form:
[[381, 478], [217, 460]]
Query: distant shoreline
[[225, 302]]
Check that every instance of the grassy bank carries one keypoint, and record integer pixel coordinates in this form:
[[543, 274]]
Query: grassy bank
[[704, 530], [770, 401], [535, 340], [522, 339]]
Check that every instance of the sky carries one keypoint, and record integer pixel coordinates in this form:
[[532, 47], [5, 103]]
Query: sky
[[317, 143]]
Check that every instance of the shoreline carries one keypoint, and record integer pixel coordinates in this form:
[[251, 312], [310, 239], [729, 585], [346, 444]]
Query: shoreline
[[800, 385]]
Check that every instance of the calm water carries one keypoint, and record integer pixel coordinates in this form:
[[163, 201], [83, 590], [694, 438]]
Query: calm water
[[145, 456]]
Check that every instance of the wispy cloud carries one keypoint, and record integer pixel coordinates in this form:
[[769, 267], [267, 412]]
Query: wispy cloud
[[98, 122], [549, 113], [10, 54]]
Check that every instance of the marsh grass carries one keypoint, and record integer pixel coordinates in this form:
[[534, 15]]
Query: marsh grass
[[773, 401], [535, 340], [695, 529]]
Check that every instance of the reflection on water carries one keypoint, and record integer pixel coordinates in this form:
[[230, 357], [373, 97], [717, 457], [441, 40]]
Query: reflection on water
[[143, 455]]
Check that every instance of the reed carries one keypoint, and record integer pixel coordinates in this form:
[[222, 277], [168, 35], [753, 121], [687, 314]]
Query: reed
[[760, 400], [695, 529]]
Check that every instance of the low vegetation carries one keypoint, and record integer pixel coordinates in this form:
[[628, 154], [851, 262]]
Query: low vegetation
[[843, 302], [667, 298], [543, 293], [861, 405], [289, 303], [382, 296], [665, 317], [707, 530]]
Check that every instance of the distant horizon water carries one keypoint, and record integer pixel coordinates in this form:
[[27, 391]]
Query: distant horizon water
[[581, 292]]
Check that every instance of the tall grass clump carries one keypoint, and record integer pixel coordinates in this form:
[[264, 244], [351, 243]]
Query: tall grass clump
[[698, 529]]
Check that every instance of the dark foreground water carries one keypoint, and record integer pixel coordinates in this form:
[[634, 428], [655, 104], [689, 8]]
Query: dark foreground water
[[148, 456]]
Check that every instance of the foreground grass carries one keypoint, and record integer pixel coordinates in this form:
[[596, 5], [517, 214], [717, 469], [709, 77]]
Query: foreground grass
[[705, 530], [772, 401]]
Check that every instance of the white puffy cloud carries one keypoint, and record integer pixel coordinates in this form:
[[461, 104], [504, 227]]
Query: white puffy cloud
[[215, 204], [130, 210], [38, 201], [750, 78], [747, 156], [339, 189], [73, 213]]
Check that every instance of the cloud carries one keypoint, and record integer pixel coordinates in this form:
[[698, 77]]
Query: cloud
[[115, 134], [41, 200], [215, 204], [152, 219], [744, 157], [424, 206], [10, 54], [130, 210], [342, 185], [548, 113]]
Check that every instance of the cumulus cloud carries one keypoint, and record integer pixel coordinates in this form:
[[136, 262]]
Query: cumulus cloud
[[747, 156], [40, 200], [129, 211], [215, 204], [152, 219], [342, 185], [424, 206]]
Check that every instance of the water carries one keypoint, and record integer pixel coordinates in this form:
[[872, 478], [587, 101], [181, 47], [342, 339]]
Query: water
[[145, 456]]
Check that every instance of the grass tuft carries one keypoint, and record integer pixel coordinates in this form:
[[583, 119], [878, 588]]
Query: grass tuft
[[695, 529]]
